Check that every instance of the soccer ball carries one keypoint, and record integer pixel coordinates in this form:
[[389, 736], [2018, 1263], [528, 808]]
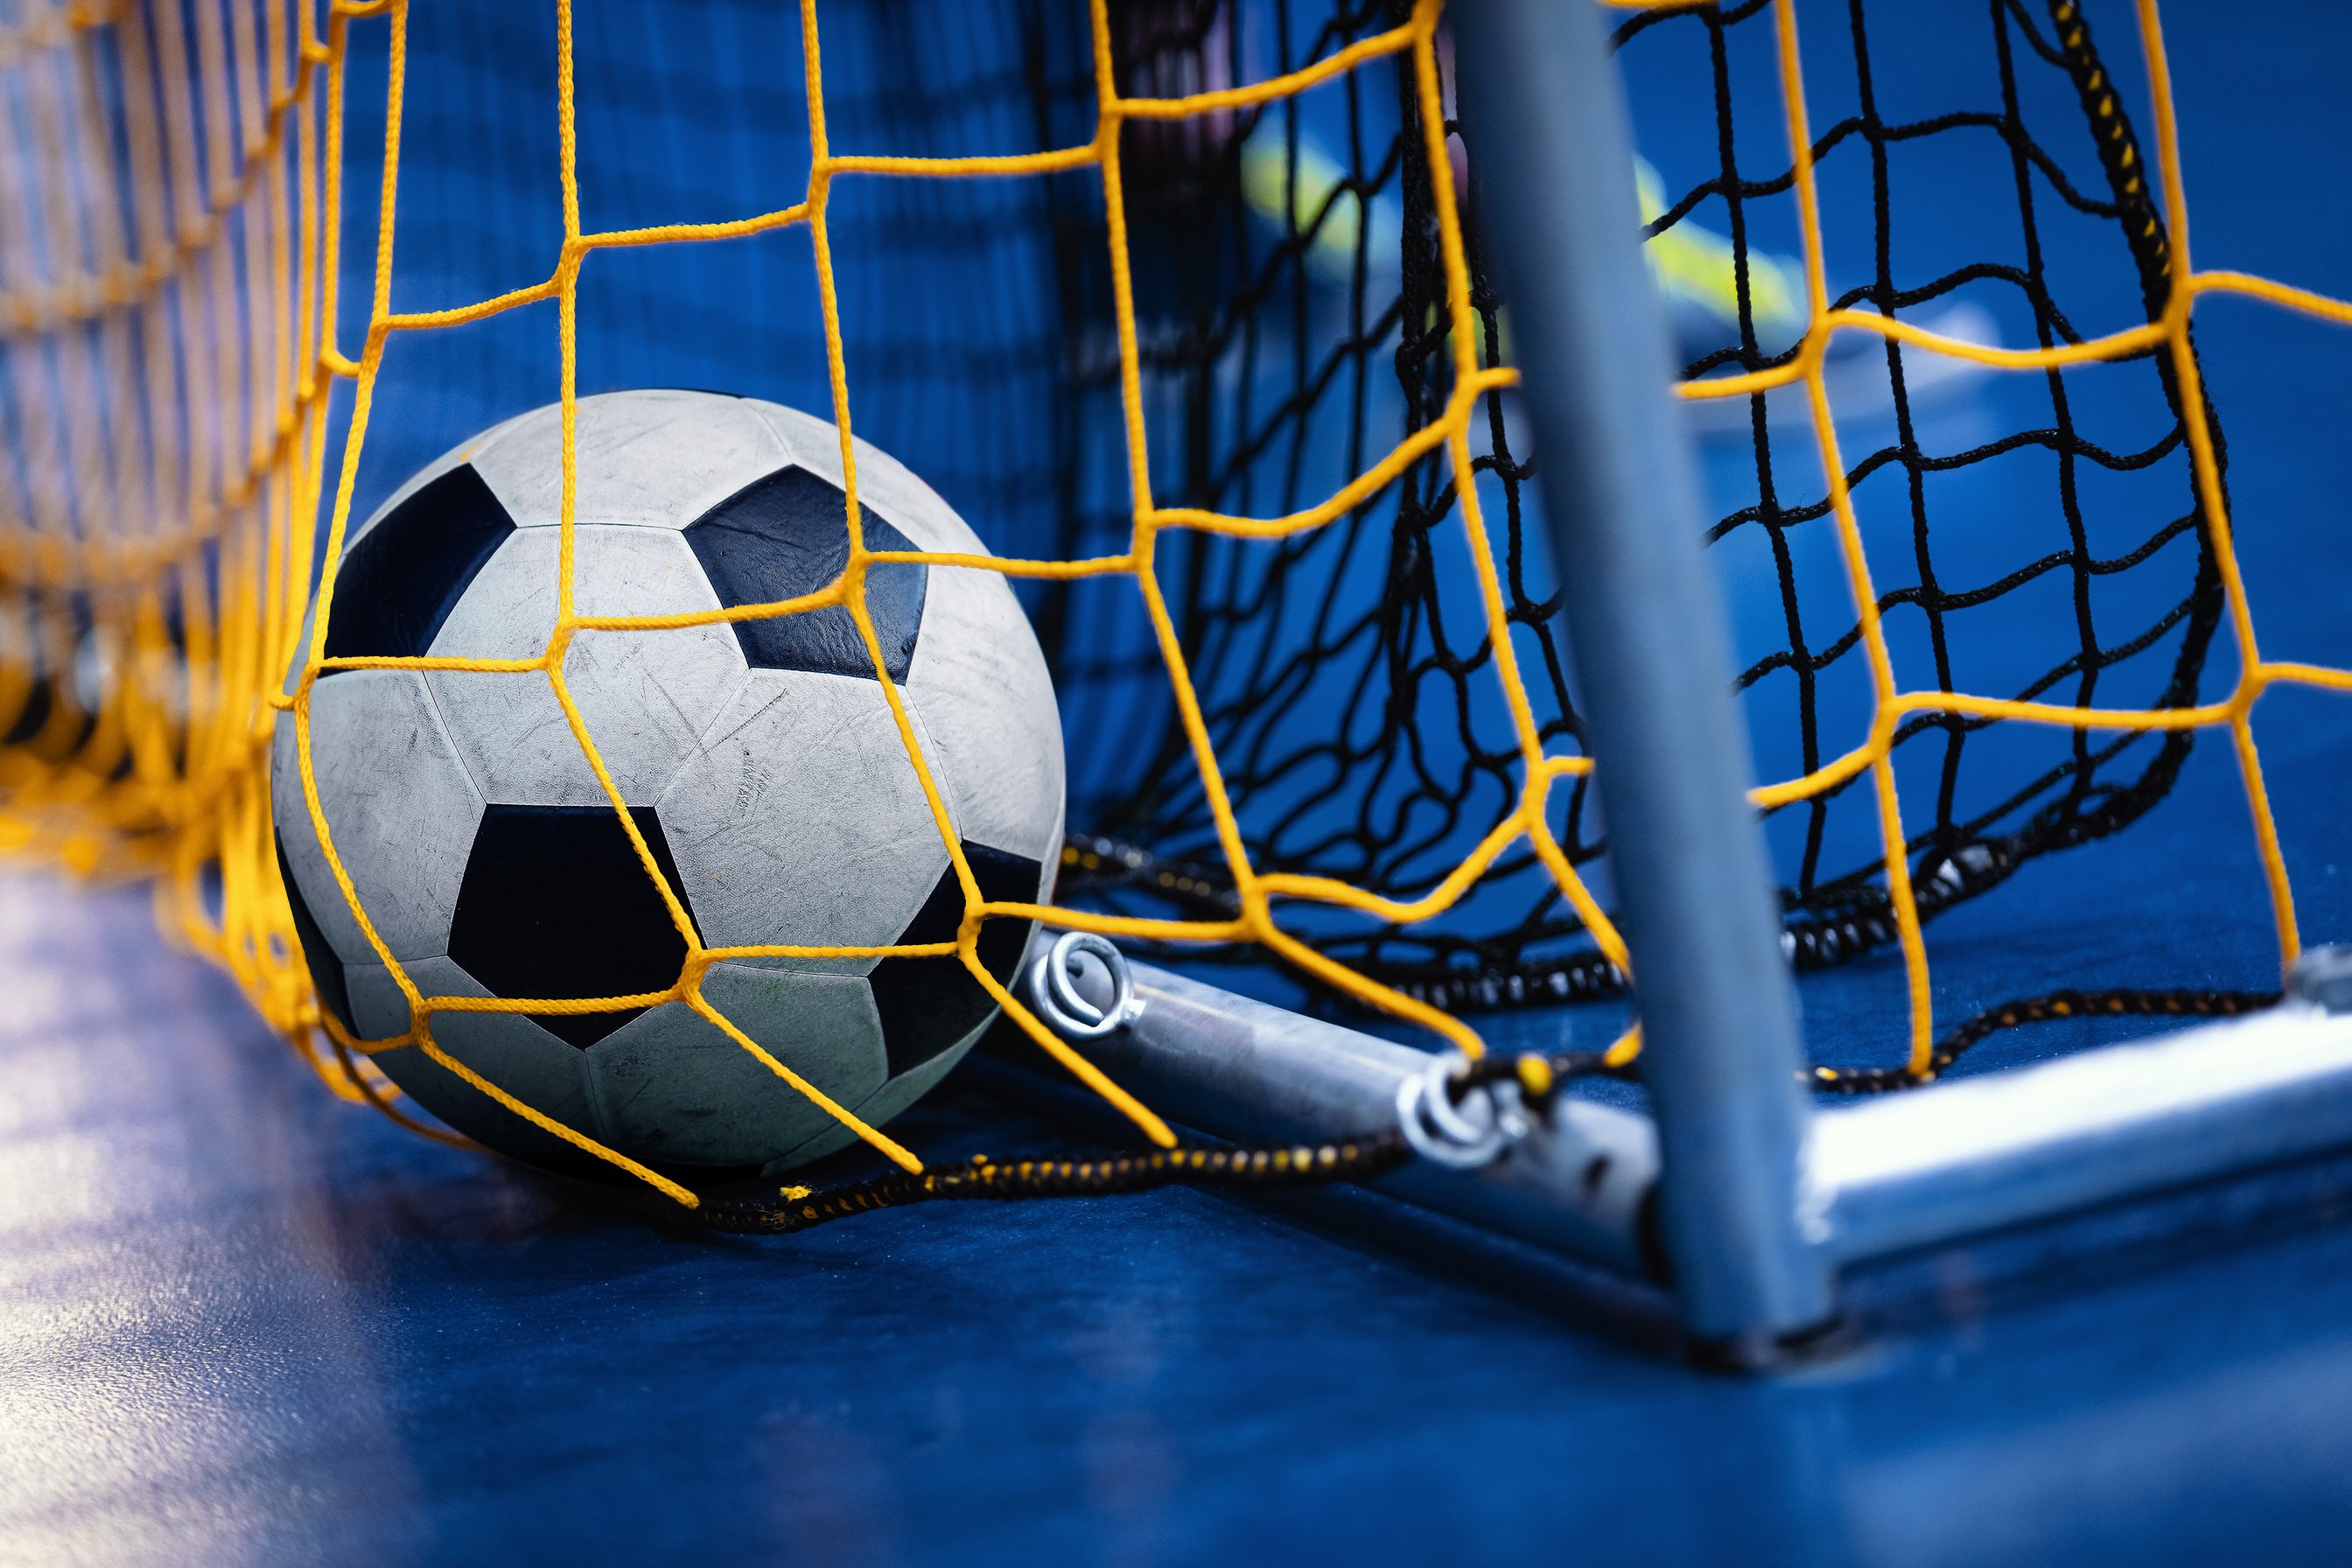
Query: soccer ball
[[758, 758]]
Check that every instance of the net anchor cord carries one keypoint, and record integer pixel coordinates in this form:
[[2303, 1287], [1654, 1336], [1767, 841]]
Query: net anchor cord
[[1718, 1006]]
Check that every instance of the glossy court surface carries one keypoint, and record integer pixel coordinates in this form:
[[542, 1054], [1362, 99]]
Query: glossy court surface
[[240, 1321]]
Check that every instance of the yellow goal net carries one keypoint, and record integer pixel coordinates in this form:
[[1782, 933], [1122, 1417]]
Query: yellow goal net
[[203, 261]]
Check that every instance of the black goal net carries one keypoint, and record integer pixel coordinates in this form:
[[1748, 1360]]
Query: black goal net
[[1291, 299]]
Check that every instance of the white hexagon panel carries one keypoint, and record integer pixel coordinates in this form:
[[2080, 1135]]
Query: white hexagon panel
[[646, 696]]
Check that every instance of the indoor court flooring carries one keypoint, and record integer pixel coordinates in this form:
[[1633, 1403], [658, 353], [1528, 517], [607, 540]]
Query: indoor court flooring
[[243, 1323]]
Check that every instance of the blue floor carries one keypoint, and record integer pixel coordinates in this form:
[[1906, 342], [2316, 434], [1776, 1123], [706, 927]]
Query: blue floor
[[242, 1322]]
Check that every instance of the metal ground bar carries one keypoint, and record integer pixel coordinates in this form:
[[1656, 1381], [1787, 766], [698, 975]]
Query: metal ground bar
[[1956, 1159], [1254, 1073], [1884, 1176]]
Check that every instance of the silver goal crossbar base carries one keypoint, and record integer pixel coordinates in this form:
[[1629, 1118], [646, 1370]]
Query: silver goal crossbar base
[[1879, 1178]]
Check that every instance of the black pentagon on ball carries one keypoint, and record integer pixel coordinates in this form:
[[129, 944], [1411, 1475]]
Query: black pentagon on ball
[[326, 968], [399, 581], [929, 1003], [555, 903], [788, 534]]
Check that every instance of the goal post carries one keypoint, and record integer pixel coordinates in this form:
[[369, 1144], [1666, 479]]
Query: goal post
[[1720, 1052]]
